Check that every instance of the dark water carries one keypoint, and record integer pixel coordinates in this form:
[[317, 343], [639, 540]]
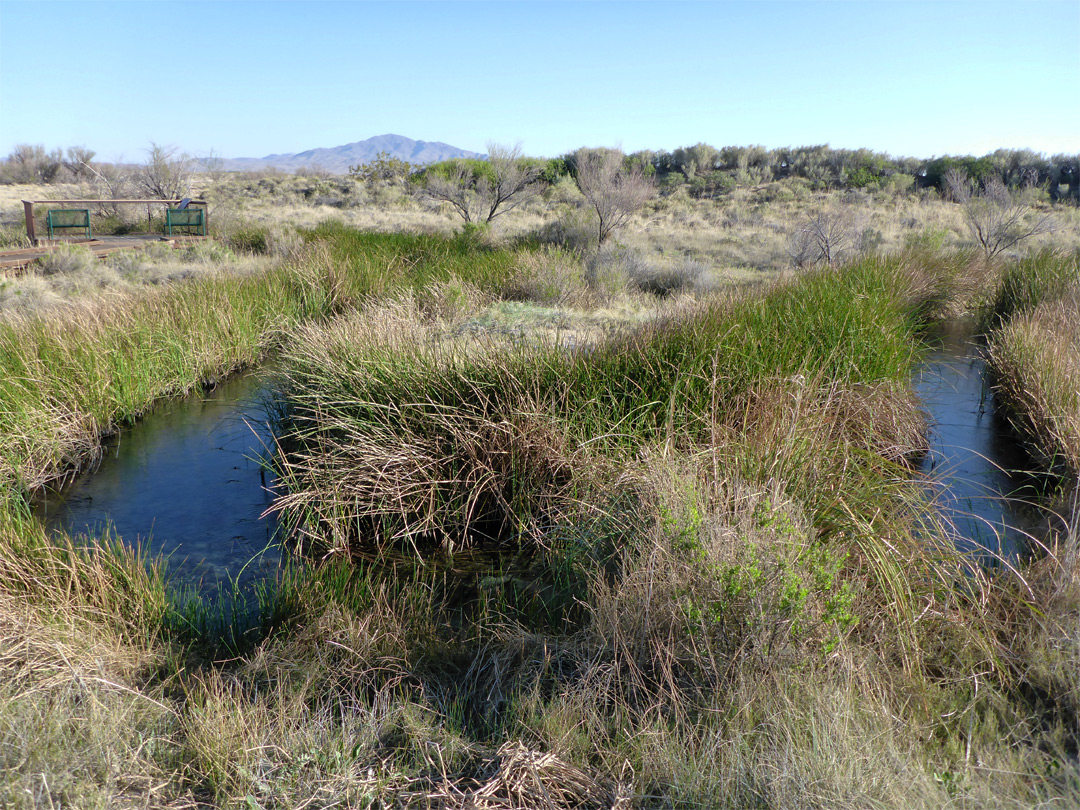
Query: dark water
[[975, 467], [186, 484]]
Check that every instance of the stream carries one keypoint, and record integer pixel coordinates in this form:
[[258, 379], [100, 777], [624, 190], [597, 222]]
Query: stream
[[188, 483], [974, 464]]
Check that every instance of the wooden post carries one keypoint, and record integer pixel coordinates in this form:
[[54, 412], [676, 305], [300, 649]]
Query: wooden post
[[31, 234]]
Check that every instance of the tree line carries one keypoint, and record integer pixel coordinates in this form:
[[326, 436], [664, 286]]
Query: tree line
[[166, 173], [704, 170]]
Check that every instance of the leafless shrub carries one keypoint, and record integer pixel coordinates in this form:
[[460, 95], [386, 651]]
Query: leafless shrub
[[167, 173], [616, 190], [30, 163], [825, 238], [996, 217], [77, 162], [110, 181]]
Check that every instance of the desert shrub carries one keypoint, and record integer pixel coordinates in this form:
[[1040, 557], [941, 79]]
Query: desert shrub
[[66, 260], [618, 266], [572, 230], [929, 238], [206, 252], [688, 276], [552, 277], [899, 183], [778, 192], [870, 240], [563, 191]]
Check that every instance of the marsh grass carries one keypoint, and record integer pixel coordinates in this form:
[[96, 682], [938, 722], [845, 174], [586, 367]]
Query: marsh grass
[[490, 426], [1035, 360], [686, 565], [384, 264], [73, 375], [1043, 276], [1032, 321]]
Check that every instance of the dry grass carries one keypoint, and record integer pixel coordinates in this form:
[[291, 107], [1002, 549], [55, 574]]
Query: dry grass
[[72, 274], [1036, 362]]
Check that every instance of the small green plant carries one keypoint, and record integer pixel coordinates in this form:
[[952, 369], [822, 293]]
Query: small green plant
[[249, 239]]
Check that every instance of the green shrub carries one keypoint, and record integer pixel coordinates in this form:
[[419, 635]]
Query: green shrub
[[249, 238]]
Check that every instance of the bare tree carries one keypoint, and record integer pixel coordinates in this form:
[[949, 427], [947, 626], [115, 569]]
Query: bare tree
[[77, 162], [614, 188], [479, 191], [110, 181], [213, 164], [825, 238], [997, 218], [167, 173]]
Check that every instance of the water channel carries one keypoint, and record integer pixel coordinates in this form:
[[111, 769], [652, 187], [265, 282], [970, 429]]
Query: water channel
[[189, 482], [975, 468]]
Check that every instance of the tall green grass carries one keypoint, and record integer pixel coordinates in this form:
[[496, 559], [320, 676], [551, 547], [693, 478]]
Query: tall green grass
[[1027, 282], [384, 264], [66, 379]]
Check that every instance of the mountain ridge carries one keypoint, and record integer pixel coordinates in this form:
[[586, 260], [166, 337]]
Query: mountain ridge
[[338, 159]]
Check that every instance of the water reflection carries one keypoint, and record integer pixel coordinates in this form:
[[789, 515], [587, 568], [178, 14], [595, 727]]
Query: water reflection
[[973, 464], [185, 483]]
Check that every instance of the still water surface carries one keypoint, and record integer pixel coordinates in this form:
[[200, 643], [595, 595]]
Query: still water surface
[[185, 483], [974, 466]]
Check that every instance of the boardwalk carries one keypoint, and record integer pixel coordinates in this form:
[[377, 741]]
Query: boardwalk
[[14, 261]]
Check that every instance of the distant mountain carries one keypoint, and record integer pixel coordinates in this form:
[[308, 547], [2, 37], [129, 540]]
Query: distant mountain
[[338, 159]]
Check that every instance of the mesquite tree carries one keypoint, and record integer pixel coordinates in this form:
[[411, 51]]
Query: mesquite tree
[[614, 187], [480, 190], [997, 217]]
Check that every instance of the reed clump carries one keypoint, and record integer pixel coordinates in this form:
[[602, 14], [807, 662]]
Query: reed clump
[[1034, 346], [1035, 359], [413, 432]]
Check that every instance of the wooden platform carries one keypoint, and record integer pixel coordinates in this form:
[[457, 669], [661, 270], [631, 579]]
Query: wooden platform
[[12, 261]]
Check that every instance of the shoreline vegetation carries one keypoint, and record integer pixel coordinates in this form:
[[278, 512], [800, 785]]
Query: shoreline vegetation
[[581, 527]]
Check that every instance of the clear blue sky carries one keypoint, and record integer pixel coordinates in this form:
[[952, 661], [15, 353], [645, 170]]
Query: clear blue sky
[[246, 79]]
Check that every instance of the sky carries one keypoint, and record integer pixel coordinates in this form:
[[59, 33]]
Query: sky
[[247, 79]]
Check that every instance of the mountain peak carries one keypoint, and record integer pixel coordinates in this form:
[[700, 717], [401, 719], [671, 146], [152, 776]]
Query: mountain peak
[[338, 159]]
